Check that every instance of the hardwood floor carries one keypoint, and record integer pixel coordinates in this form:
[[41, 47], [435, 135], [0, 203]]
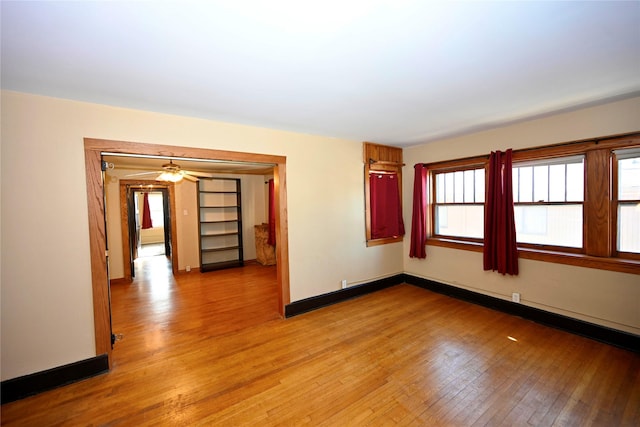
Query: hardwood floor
[[192, 354]]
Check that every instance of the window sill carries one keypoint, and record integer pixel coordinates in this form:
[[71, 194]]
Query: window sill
[[612, 264], [384, 241]]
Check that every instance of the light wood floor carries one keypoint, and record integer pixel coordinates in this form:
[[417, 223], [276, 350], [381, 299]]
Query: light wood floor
[[207, 349]]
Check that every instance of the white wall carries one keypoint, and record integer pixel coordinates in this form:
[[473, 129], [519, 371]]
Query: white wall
[[603, 297], [47, 311]]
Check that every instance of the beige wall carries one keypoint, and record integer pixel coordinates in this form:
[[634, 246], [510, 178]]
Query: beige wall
[[46, 302], [47, 311], [253, 212], [602, 297]]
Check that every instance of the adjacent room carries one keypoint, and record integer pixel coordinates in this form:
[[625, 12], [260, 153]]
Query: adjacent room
[[338, 213]]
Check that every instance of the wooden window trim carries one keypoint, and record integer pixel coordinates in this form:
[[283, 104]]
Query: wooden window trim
[[599, 252]]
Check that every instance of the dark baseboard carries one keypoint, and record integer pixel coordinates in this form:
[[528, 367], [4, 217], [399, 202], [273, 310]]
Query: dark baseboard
[[28, 385], [309, 304], [611, 336]]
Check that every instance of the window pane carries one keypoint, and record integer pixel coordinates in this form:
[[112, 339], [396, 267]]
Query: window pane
[[629, 227], [479, 185], [440, 188], [458, 196], [541, 183], [629, 179], [469, 190], [448, 182], [557, 177], [575, 182], [460, 220], [549, 225], [526, 184]]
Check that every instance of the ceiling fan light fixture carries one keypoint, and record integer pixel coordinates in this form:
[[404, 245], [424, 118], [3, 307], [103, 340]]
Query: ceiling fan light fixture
[[170, 176]]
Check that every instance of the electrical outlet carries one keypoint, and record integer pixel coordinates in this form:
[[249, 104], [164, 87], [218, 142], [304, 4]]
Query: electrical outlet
[[344, 283], [188, 268], [515, 297]]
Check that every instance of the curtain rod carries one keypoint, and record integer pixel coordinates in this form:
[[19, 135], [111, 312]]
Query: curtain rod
[[384, 162]]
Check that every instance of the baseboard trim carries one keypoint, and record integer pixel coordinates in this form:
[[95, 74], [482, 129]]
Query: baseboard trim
[[615, 337], [313, 303], [28, 385]]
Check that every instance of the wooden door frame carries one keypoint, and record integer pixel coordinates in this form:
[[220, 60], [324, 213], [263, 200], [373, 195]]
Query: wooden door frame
[[93, 149], [145, 185]]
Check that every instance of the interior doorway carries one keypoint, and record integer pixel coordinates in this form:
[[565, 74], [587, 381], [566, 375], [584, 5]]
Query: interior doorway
[[162, 230], [149, 224], [95, 148]]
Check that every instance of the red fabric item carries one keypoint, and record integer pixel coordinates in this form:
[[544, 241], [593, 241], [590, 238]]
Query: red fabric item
[[386, 212], [146, 212], [419, 218], [500, 251], [271, 240]]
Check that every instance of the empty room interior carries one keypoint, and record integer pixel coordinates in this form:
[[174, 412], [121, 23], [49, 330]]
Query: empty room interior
[[328, 213]]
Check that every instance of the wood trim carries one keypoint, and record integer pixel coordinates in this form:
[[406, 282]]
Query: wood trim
[[282, 233], [97, 237], [597, 209], [544, 151], [611, 336], [622, 265], [125, 147], [124, 220], [28, 385], [97, 248]]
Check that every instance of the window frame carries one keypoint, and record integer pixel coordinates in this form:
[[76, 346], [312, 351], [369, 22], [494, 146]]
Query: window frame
[[615, 203], [434, 204], [543, 246], [599, 207]]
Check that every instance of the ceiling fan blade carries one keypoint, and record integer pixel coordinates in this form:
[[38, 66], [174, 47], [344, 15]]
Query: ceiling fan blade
[[199, 174], [143, 173]]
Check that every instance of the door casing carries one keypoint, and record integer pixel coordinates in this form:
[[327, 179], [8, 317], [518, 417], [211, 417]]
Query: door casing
[[93, 150], [142, 185]]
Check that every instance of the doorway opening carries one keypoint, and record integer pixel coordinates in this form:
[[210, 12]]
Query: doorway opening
[[159, 234], [95, 148], [150, 224]]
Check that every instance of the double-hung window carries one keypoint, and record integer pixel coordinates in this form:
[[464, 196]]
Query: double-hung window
[[548, 198], [459, 203], [626, 202], [575, 203]]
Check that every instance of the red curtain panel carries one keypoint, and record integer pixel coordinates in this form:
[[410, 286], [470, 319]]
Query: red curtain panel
[[386, 212], [146, 212], [500, 251], [419, 217]]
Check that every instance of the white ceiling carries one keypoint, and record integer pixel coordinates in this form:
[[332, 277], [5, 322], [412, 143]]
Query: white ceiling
[[396, 72]]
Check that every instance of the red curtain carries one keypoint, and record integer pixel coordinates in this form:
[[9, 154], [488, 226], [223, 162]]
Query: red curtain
[[500, 251], [386, 212], [419, 218], [146, 212], [271, 240]]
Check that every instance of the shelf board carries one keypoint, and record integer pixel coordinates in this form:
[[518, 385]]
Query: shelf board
[[218, 207], [218, 192], [220, 221], [220, 265], [227, 248], [230, 233]]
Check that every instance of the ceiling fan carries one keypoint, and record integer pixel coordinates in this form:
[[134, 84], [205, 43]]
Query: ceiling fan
[[172, 172]]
